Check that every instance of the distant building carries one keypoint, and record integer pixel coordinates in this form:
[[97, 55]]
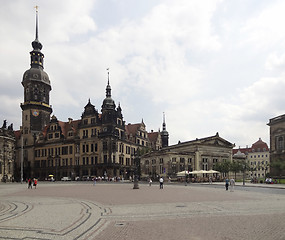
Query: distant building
[[277, 143], [7, 152], [257, 157], [199, 154]]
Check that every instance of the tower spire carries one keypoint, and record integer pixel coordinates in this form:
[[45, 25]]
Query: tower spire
[[164, 133], [37, 7], [37, 58], [37, 46], [164, 124], [108, 88]]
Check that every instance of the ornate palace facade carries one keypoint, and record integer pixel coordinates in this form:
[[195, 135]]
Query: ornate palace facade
[[98, 144]]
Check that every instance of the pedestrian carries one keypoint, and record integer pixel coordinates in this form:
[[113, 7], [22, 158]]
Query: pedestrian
[[94, 181], [35, 183], [161, 183], [232, 184], [227, 184], [210, 180], [30, 183], [149, 182]]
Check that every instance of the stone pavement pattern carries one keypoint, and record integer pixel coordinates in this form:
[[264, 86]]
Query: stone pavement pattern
[[116, 211]]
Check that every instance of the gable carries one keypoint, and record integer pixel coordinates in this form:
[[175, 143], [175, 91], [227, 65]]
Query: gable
[[216, 141]]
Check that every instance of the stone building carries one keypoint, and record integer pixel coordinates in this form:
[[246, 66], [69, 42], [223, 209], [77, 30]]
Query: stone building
[[198, 154], [97, 144], [257, 157], [277, 144], [7, 152]]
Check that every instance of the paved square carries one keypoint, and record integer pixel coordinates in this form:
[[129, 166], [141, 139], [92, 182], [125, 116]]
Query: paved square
[[117, 211]]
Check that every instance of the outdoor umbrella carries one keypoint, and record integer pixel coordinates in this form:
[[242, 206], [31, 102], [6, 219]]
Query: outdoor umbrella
[[213, 171], [197, 172], [182, 173]]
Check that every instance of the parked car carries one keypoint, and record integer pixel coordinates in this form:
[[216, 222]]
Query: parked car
[[65, 179]]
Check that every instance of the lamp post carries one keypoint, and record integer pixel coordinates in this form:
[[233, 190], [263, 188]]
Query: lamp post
[[185, 173], [136, 181], [4, 160], [22, 158]]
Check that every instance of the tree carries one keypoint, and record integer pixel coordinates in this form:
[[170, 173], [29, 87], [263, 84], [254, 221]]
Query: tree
[[236, 167], [223, 167]]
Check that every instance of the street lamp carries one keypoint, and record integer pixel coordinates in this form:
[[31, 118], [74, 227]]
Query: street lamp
[[185, 173], [136, 181]]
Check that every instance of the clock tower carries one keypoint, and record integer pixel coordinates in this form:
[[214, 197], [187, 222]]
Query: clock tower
[[35, 108]]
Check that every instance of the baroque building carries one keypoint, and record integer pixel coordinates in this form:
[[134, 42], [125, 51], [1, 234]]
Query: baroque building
[[257, 157], [195, 155], [277, 144], [7, 152], [97, 144]]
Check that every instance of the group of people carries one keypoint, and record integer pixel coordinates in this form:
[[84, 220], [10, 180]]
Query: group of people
[[160, 182], [230, 183], [32, 182]]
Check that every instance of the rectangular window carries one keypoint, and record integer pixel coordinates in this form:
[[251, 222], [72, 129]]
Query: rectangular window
[[104, 146], [70, 149], [64, 150]]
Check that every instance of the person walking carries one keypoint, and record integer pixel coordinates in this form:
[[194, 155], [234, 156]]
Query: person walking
[[210, 180], [30, 183], [161, 183], [149, 182], [227, 184], [232, 184], [35, 183]]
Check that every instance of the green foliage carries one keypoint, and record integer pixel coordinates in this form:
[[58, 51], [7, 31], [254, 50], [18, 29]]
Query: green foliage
[[223, 167], [235, 167]]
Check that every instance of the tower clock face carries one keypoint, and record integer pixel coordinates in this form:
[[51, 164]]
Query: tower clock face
[[36, 113]]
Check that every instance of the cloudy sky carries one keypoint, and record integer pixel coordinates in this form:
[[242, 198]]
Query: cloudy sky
[[211, 66]]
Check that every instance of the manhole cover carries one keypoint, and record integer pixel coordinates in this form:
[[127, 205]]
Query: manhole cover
[[181, 206]]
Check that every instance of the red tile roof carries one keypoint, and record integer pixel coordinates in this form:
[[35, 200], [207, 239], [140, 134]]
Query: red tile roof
[[153, 136], [132, 128], [258, 146]]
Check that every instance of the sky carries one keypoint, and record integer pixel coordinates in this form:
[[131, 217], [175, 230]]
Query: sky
[[211, 66]]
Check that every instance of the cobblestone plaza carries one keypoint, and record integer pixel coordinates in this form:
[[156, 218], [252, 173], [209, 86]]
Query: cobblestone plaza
[[117, 211]]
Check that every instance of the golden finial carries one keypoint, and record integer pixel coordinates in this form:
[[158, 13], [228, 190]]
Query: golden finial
[[37, 8]]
